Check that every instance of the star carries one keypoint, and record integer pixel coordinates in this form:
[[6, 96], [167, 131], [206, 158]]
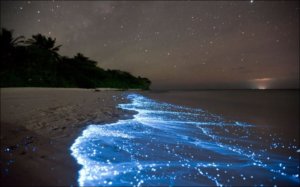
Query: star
[[192, 32]]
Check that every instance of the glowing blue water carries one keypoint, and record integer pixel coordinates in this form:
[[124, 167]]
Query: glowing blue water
[[166, 144]]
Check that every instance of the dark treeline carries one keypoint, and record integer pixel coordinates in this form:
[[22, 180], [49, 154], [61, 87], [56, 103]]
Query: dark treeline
[[35, 62]]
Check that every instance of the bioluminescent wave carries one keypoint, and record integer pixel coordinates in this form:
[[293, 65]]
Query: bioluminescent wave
[[166, 144]]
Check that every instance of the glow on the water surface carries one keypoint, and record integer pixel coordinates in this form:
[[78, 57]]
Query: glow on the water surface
[[166, 144]]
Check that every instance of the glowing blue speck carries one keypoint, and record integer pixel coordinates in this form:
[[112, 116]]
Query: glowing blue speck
[[172, 145]]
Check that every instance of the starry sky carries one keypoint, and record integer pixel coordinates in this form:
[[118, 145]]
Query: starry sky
[[177, 45]]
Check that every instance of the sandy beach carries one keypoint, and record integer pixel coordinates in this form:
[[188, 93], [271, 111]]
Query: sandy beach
[[38, 126]]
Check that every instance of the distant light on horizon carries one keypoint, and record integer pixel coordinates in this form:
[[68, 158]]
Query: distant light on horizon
[[262, 83], [261, 87], [176, 44], [263, 79]]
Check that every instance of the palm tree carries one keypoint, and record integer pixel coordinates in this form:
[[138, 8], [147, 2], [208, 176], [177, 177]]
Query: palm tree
[[7, 41], [9, 46], [43, 42]]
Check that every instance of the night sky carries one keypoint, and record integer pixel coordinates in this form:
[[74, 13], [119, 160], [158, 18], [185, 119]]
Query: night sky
[[177, 45]]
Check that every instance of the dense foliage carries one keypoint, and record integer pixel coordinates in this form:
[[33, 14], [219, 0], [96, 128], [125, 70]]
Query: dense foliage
[[36, 63]]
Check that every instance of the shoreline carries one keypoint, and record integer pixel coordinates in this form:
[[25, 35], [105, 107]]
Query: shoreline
[[159, 126], [39, 125], [276, 109]]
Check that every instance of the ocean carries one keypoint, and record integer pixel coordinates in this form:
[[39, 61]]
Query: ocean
[[192, 138]]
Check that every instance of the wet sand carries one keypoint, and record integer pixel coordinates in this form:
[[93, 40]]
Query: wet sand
[[38, 126], [166, 144]]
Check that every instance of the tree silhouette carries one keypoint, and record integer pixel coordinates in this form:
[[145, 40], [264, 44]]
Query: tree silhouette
[[7, 41], [80, 58], [43, 42], [8, 45], [38, 64]]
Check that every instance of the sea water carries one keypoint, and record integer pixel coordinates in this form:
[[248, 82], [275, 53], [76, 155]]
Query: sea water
[[166, 144]]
